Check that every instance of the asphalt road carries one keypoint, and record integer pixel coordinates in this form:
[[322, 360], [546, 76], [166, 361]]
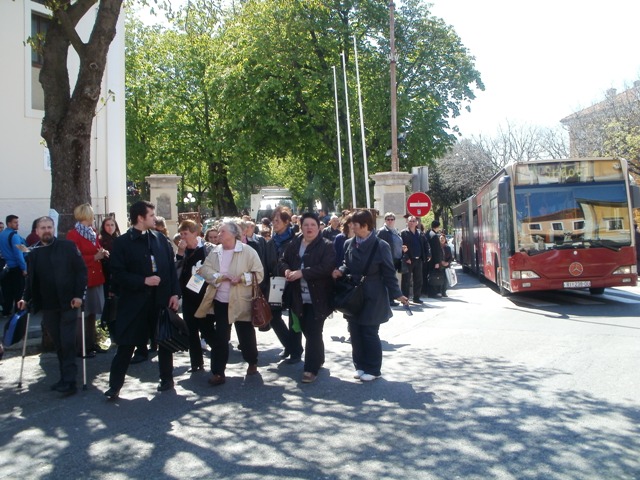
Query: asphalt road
[[475, 386]]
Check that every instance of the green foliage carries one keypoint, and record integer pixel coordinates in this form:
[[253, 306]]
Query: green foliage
[[246, 96]]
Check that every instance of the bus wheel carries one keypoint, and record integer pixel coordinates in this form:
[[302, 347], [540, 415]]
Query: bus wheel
[[596, 291]]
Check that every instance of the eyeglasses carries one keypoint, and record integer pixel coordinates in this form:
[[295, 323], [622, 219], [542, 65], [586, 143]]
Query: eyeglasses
[[389, 218]]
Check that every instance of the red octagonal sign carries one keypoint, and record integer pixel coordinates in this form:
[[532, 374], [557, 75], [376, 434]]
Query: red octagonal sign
[[418, 204]]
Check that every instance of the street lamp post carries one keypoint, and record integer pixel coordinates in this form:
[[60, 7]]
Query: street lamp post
[[393, 58], [188, 200]]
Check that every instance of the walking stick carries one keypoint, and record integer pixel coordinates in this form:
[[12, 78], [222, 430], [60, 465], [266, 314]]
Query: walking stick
[[24, 349], [84, 354]]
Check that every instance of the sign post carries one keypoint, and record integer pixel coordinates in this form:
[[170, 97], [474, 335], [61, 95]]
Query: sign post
[[418, 204]]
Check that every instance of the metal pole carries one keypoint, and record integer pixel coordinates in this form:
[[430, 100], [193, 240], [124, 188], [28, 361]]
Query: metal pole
[[364, 145], [335, 94], [395, 164], [24, 348], [346, 99], [84, 352]]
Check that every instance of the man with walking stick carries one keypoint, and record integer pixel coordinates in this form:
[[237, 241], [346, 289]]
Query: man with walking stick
[[56, 284]]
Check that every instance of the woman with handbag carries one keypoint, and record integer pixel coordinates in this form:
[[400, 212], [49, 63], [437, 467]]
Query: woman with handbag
[[447, 258], [307, 264], [365, 255], [191, 255], [228, 270]]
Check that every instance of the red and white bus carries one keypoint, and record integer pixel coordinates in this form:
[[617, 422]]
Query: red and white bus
[[551, 225]]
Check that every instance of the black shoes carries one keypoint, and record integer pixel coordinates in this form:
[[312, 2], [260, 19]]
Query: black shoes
[[199, 368], [112, 393], [294, 360], [165, 385], [67, 388], [394, 304], [418, 301]]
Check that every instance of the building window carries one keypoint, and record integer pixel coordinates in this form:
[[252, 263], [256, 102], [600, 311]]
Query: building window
[[557, 226], [39, 27], [614, 223]]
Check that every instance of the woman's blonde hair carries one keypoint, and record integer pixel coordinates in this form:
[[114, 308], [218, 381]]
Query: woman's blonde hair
[[83, 213]]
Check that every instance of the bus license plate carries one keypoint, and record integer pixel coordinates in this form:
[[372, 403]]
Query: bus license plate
[[582, 284]]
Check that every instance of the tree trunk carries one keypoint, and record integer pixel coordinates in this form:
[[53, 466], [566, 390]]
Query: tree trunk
[[68, 118], [222, 203]]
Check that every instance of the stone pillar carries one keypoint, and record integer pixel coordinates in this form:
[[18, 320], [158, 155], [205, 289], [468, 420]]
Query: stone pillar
[[164, 194], [390, 194]]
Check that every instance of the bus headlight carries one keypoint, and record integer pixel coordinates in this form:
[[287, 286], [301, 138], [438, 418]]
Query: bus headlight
[[523, 274], [626, 270]]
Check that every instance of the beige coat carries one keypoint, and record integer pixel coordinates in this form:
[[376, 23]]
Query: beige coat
[[245, 261]]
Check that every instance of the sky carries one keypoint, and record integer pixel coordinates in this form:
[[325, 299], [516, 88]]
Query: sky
[[542, 61]]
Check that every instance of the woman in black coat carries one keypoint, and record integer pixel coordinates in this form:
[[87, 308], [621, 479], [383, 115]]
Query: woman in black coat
[[381, 277], [307, 264]]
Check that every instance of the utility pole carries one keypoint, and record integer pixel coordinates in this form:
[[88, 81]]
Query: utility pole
[[393, 58]]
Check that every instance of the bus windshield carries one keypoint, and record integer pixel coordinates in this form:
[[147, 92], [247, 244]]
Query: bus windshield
[[572, 215]]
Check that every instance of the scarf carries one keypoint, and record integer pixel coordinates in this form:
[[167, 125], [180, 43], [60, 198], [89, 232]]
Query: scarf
[[280, 238], [360, 241], [86, 232]]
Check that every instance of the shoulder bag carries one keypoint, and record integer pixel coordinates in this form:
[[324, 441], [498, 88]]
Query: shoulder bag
[[260, 309], [172, 331], [348, 296]]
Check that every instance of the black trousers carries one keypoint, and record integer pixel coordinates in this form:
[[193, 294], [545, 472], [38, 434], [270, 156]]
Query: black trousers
[[413, 275], [312, 330], [246, 336], [122, 359], [12, 288], [61, 326], [197, 326], [366, 348], [290, 340]]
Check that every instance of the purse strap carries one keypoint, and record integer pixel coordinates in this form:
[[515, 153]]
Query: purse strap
[[368, 264], [254, 285]]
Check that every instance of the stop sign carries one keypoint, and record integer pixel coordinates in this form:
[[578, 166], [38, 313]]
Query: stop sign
[[418, 204]]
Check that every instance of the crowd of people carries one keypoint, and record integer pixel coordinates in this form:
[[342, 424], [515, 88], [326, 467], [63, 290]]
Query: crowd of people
[[208, 277]]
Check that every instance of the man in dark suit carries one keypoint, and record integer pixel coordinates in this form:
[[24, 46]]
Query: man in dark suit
[[56, 284], [413, 246], [144, 277]]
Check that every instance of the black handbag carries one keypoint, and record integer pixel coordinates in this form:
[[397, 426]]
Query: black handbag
[[436, 278], [348, 297], [172, 332]]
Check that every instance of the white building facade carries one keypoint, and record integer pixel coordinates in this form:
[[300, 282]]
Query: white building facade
[[25, 173]]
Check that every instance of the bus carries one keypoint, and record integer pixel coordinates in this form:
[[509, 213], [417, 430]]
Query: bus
[[551, 225]]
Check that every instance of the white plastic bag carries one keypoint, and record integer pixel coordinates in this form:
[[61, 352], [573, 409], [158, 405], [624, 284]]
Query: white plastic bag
[[452, 278]]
